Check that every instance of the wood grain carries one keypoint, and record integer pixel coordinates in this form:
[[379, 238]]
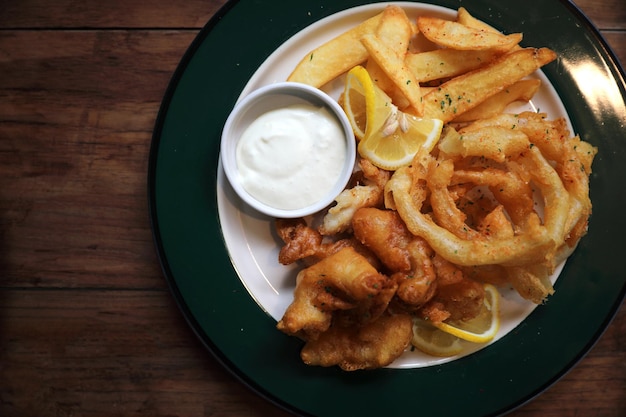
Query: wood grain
[[76, 121], [105, 353], [87, 325]]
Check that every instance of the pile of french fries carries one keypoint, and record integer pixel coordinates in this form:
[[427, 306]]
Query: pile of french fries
[[470, 72]]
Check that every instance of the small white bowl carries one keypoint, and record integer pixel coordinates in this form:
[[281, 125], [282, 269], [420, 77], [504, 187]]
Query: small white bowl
[[271, 97]]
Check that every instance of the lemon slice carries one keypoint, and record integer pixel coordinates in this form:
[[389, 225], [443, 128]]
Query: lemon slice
[[482, 328], [433, 341], [389, 138], [391, 151], [366, 105]]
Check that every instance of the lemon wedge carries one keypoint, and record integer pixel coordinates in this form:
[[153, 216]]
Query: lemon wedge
[[366, 105], [388, 137], [433, 341], [482, 328], [446, 339]]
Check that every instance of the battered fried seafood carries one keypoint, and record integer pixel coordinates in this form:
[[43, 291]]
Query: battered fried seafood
[[457, 296], [343, 281], [367, 193], [383, 232], [499, 199], [372, 346], [406, 257], [462, 215], [527, 244], [306, 244]]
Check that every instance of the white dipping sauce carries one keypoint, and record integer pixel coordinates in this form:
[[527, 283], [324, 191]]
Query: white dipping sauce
[[291, 157]]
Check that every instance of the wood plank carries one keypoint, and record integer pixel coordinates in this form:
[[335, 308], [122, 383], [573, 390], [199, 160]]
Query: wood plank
[[96, 353], [76, 121], [617, 42], [103, 353], [608, 14], [66, 14], [605, 14], [96, 66]]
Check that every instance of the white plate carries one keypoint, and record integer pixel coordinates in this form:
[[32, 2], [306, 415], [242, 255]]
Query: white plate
[[250, 238]]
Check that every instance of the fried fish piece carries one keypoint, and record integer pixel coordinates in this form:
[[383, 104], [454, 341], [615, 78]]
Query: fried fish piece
[[457, 298], [342, 281], [374, 345], [407, 256], [385, 234], [418, 286], [301, 241], [369, 194], [304, 243]]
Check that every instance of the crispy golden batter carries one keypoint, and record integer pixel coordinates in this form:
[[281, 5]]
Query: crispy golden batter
[[303, 243], [368, 194], [300, 240], [408, 257], [418, 286], [344, 280], [385, 234], [457, 297], [489, 274], [571, 156], [374, 345]]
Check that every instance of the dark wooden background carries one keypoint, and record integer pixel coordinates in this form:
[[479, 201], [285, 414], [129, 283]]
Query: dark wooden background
[[87, 325]]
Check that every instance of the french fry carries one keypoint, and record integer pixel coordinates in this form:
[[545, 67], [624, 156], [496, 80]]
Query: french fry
[[336, 56], [393, 65], [395, 30], [465, 18], [445, 63], [457, 36], [523, 90], [467, 91]]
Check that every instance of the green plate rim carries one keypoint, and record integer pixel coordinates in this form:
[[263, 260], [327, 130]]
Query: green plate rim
[[242, 344]]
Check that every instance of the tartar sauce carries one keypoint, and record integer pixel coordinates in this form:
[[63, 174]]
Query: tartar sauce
[[291, 157]]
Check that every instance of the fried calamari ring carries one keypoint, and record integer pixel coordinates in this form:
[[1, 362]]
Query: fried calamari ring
[[572, 158], [494, 142], [532, 241]]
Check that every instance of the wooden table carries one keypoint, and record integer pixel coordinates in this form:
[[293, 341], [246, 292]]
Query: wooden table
[[87, 325]]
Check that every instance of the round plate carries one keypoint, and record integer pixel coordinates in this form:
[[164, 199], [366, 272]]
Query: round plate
[[254, 247], [183, 189]]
